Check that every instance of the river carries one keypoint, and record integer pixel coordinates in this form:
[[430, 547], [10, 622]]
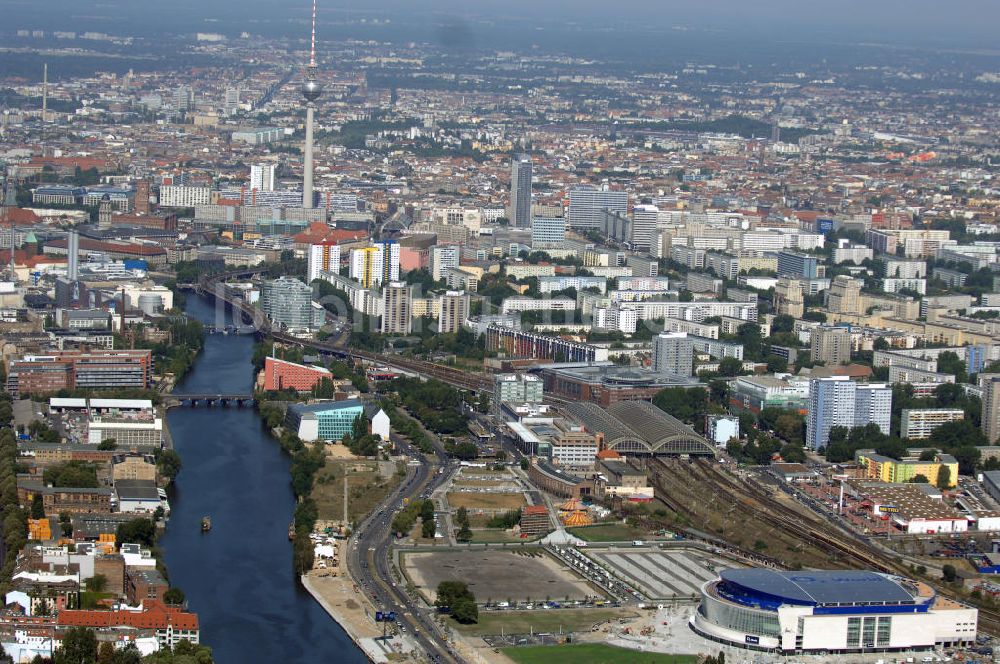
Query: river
[[238, 577]]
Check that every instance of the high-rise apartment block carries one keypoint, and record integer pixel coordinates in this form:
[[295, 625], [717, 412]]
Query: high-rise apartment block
[[454, 311], [520, 191], [844, 295], [443, 257], [375, 265], [788, 297], [830, 345], [397, 316], [587, 206], [839, 401], [673, 352], [323, 257], [990, 385], [262, 177], [548, 232], [644, 220]]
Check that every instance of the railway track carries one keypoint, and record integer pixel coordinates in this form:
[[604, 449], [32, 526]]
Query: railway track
[[450, 375], [759, 505], [762, 505]]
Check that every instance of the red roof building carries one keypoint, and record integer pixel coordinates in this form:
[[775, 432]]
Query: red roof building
[[318, 233], [170, 624], [280, 375]]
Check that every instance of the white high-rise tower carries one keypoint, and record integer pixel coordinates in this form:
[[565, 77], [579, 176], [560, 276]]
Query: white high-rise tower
[[311, 90]]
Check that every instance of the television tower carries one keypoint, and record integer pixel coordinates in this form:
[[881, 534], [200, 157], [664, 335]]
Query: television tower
[[311, 90]]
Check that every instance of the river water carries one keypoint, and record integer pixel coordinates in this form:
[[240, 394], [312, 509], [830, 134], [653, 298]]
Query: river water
[[239, 577]]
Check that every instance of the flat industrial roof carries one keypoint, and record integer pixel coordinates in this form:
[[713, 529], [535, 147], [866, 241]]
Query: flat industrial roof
[[141, 404], [822, 586], [67, 402]]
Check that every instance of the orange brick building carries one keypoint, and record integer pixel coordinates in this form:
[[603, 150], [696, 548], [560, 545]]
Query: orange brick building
[[280, 375]]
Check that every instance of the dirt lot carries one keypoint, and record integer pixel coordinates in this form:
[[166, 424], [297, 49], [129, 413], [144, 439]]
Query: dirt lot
[[486, 501], [365, 488], [497, 575]]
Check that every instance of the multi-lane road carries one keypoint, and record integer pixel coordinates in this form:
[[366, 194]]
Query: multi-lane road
[[369, 555]]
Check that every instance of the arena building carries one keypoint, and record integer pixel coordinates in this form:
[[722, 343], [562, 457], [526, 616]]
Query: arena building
[[825, 612]]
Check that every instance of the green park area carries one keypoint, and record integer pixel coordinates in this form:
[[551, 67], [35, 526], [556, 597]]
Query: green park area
[[553, 621], [591, 653]]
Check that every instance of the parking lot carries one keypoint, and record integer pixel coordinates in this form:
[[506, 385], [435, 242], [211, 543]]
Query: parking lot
[[498, 575], [662, 574]]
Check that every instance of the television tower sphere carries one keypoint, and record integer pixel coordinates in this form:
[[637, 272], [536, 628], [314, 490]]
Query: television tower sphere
[[311, 88]]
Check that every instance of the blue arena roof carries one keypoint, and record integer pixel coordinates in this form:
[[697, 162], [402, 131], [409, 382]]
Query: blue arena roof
[[820, 587]]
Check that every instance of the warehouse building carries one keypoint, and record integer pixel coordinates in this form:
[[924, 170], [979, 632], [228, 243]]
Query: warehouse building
[[827, 612]]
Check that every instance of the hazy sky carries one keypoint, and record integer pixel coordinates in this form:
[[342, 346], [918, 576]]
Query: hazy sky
[[952, 23]]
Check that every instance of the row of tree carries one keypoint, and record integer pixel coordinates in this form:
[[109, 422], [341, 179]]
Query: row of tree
[[436, 404], [80, 646], [454, 597]]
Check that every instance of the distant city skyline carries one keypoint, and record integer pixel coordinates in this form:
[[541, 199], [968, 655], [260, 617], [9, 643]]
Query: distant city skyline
[[964, 24]]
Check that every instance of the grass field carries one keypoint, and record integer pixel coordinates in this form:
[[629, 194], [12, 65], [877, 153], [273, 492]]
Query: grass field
[[365, 489], [493, 535], [522, 622], [609, 532], [486, 501], [479, 484], [591, 653]]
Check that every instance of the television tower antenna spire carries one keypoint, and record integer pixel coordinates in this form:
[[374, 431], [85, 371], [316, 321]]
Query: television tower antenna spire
[[311, 90], [312, 48]]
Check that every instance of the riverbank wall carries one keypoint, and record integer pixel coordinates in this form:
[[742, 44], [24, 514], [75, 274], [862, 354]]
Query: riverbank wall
[[354, 621]]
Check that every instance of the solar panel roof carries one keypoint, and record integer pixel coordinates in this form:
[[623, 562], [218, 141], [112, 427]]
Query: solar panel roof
[[821, 587]]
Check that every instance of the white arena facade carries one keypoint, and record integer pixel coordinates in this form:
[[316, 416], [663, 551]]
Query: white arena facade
[[827, 612]]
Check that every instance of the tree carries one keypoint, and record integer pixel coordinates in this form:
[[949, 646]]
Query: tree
[[168, 463], [730, 366], [949, 573], [428, 529], [782, 323], [943, 477], [919, 478], [109, 444], [968, 459], [37, 507], [689, 405], [791, 427], [449, 591], [74, 474], [959, 433], [137, 531], [719, 390], [174, 596], [749, 335], [465, 611], [776, 364], [464, 533], [97, 583], [79, 646], [948, 362]]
